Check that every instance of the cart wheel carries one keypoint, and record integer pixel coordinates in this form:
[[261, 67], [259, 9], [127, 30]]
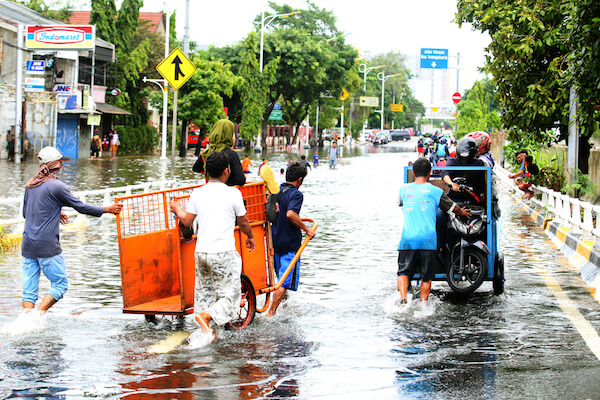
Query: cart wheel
[[498, 281], [468, 277], [247, 309], [150, 318]]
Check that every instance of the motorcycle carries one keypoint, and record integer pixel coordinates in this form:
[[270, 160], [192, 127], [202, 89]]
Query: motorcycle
[[465, 251], [469, 255]]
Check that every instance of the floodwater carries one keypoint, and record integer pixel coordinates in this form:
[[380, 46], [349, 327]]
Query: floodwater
[[341, 336]]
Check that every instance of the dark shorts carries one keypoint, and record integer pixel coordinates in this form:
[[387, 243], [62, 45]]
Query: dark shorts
[[409, 261]]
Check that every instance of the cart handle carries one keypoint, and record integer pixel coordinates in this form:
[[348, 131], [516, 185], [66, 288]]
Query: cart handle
[[296, 256]]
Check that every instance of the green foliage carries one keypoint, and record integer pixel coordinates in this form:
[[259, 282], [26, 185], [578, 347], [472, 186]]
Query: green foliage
[[254, 87], [103, 15], [478, 109], [526, 58], [583, 24], [199, 100], [397, 91], [581, 187], [137, 140], [58, 10]]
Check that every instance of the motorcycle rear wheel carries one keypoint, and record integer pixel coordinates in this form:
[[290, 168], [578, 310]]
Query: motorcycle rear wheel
[[468, 277]]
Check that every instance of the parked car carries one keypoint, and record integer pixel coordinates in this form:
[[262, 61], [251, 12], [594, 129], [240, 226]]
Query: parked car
[[400, 134], [193, 139]]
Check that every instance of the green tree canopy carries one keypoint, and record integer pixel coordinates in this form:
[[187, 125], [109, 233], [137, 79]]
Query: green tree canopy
[[479, 109], [397, 91]]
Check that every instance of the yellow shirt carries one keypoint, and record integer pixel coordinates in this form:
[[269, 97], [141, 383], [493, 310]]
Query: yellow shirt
[[269, 177]]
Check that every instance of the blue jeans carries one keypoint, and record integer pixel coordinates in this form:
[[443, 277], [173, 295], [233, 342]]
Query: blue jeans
[[54, 269]]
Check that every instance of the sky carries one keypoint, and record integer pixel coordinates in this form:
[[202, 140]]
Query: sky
[[375, 26]]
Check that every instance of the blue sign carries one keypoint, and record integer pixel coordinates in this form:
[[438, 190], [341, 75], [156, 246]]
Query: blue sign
[[277, 106], [36, 66], [434, 58]]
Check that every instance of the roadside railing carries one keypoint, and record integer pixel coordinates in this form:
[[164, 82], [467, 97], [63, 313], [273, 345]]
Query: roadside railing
[[567, 211], [13, 207]]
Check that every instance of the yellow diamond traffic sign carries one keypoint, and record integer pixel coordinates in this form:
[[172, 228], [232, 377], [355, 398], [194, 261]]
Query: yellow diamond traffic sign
[[344, 95], [176, 68]]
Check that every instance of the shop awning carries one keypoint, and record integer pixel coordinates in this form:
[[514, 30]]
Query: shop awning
[[105, 108]]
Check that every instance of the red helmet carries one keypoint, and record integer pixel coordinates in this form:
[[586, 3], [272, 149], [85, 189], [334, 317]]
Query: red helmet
[[484, 143]]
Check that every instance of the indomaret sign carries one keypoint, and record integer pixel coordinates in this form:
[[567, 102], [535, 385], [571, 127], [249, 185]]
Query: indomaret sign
[[63, 37]]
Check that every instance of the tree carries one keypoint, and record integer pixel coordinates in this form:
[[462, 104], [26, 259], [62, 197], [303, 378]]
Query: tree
[[254, 88], [58, 10], [103, 15], [528, 58], [199, 100], [396, 91], [583, 24], [313, 59], [479, 109]]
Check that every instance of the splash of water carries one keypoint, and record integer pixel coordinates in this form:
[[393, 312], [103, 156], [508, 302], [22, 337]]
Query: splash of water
[[199, 339], [413, 307], [28, 321]]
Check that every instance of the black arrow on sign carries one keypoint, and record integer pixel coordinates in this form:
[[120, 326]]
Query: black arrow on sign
[[177, 61]]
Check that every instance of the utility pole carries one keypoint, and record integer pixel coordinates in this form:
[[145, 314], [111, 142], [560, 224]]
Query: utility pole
[[19, 95], [186, 50], [163, 150], [573, 148]]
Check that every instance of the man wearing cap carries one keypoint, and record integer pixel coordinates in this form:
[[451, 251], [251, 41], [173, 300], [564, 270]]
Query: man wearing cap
[[44, 198]]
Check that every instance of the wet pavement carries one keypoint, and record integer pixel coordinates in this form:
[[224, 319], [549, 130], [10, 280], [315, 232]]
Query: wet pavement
[[340, 336]]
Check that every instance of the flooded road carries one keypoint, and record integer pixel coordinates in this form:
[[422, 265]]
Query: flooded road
[[340, 336]]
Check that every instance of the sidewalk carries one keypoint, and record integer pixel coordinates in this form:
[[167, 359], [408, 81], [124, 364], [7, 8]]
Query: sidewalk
[[583, 255]]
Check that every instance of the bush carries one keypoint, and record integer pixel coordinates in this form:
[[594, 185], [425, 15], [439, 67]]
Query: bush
[[137, 140]]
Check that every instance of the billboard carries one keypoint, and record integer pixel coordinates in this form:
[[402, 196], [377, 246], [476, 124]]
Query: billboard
[[64, 37]]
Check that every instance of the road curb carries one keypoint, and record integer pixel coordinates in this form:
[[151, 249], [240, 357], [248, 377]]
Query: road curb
[[583, 254]]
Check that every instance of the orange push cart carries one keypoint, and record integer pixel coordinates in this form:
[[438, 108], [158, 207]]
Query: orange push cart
[[157, 257]]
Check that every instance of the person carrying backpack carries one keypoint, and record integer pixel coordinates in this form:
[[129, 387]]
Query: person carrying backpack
[[287, 232], [95, 146], [441, 150]]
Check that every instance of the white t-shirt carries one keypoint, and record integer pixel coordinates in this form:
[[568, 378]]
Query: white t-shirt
[[216, 207], [115, 138]]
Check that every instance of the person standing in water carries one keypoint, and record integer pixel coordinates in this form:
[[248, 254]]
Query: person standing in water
[[333, 155], [418, 243], [45, 196], [217, 208]]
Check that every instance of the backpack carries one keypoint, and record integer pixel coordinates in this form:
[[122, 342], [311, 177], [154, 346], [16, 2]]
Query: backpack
[[94, 145], [441, 150], [273, 204]]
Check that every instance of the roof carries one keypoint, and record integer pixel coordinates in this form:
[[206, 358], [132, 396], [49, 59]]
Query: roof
[[83, 18], [15, 13], [105, 108]]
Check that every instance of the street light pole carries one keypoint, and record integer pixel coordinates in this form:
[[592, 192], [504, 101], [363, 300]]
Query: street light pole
[[341, 110], [382, 77], [160, 83], [363, 68], [264, 23]]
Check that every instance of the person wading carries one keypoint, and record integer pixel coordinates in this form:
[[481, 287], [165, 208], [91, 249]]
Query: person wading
[[44, 198], [217, 208]]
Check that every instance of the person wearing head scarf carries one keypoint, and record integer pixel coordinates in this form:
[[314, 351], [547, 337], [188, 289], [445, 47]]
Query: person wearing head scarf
[[221, 139], [44, 198]]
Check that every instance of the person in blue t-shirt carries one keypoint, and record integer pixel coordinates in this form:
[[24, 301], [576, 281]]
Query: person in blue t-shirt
[[287, 235], [418, 243]]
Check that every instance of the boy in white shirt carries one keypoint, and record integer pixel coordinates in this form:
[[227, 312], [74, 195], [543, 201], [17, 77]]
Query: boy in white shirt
[[217, 208]]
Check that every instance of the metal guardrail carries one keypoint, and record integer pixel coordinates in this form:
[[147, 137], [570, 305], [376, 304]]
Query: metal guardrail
[[560, 207], [15, 205]]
